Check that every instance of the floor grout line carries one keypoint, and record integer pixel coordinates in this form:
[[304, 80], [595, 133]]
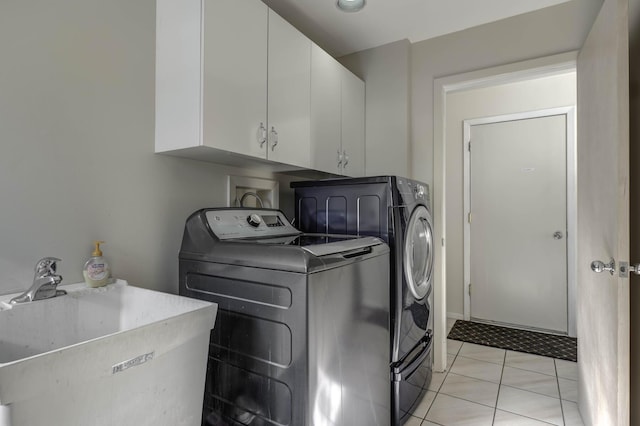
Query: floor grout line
[[499, 387], [437, 392], [481, 360], [530, 391], [474, 378], [465, 399], [555, 366], [534, 371], [500, 384], [455, 356], [528, 417]]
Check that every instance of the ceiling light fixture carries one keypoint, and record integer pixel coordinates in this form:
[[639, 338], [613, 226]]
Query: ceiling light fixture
[[350, 5]]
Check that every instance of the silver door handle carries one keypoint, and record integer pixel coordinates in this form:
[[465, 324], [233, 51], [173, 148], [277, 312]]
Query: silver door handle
[[274, 138], [557, 235], [261, 135], [599, 266]]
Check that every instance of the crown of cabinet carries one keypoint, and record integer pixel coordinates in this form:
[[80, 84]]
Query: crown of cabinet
[[234, 85]]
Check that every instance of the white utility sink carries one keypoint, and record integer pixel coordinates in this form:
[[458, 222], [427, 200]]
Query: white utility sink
[[116, 355]]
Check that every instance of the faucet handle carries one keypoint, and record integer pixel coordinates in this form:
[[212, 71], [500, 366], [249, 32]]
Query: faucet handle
[[47, 266]]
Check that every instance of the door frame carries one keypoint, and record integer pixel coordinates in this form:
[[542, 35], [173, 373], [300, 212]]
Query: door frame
[[519, 71], [572, 201]]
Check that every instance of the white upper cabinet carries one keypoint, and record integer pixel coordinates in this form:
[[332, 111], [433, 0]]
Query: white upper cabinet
[[289, 94], [231, 77], [234, 85], [326, 149], [337, 117], [353, 129], [178, 75], [234, 46]]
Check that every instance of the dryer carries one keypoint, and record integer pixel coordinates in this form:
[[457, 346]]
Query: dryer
[[303, 320], [397, 210]]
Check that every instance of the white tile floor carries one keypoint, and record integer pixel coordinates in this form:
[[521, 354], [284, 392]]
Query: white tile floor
[[490, 386]]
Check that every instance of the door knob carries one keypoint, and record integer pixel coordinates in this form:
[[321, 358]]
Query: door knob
[[599, 266]]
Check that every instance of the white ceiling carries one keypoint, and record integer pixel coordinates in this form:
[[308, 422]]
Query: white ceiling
[[386, 21]]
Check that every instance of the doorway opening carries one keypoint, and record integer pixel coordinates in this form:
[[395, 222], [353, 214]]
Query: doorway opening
[[443, 184]]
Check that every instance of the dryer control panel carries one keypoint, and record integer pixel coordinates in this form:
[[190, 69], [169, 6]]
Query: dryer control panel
[[249, 223]]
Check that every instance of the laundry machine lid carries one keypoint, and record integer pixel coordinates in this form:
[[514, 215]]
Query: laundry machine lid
[[264, 238], [323, 244], [418, 252]]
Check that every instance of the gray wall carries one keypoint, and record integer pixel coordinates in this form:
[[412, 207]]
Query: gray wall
[[386, 71], [536, 34], [634, 146], [77, 142]]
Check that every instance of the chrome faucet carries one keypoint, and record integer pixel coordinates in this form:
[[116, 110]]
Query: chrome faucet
[[45, 282]]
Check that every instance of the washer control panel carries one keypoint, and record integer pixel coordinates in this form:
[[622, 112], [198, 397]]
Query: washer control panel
[[248, 223]]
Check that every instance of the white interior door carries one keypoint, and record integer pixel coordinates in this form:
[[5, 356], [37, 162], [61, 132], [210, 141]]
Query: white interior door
[[603, 218], [518, 201]]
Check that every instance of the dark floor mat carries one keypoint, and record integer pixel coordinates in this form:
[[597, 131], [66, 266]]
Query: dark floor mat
[[551, 345]]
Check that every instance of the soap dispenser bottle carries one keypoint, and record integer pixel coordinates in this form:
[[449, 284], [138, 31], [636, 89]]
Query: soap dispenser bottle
[[96, 270]]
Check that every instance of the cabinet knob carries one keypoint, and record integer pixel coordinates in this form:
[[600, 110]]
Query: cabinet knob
[[261, 135], [274, 138]]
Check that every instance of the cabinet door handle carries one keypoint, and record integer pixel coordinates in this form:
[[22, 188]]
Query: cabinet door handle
[[339, 158], [261, 135], [346, 158], [274, 138]]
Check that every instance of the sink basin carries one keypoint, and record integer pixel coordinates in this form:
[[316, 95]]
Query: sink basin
[[118, 354]]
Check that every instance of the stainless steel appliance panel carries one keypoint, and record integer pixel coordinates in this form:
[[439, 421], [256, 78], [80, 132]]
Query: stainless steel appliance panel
[[349, 345], [257, 354]]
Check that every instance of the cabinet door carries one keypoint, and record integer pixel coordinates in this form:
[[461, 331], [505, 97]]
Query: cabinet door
[[326, 133], [289, 93], [178, 83], [234, 44], [353, 97]]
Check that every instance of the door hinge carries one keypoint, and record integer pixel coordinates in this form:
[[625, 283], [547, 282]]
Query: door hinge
[[469, 217], [469, 289], [468, 146]]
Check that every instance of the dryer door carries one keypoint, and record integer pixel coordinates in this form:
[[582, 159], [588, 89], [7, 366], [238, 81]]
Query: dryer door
[[418, 252]]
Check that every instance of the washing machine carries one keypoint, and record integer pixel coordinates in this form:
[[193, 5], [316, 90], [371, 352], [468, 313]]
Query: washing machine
[[303, 323], [397, 210]]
